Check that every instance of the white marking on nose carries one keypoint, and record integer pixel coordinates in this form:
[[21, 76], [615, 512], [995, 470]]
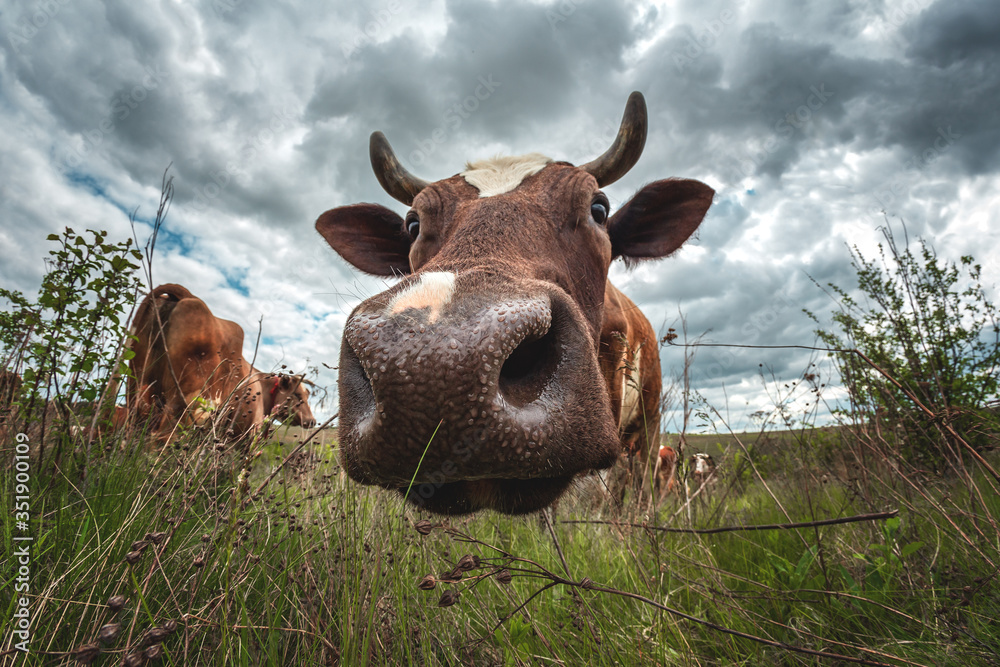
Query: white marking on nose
[[433, 290]]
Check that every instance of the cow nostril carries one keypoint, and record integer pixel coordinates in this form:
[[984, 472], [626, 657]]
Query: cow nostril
[[525, 359], [354, 383], [527, 370]]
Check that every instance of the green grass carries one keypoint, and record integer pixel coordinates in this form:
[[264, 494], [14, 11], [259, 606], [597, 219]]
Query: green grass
[[306, 567]]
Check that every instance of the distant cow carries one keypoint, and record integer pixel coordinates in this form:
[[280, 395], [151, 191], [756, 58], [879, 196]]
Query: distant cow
[[188, 365], [503, 363], [701, 469], [286, 398], [664, 475]]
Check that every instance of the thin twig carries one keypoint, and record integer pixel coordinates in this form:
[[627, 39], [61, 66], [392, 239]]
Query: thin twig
[[879, 516], [589, 585], [300, 631]]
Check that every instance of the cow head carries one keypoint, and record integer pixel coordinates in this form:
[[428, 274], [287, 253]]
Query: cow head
[[287, 399], [474, 382]]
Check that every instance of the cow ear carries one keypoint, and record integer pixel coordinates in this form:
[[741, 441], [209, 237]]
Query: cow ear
[[659, 218], [369, 236]]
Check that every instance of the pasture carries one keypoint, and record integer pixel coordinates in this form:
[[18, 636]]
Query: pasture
[[210, 553], [873, 541]]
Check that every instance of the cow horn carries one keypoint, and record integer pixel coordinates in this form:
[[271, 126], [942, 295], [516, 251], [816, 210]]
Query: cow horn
[[394, 178], [627, 148]]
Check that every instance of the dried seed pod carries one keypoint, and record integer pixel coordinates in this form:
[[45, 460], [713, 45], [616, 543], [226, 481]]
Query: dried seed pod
[[155, 635], [423, 527], [116, 602], [153, 652], [134, 660], [427, 583], [170, 625], [468, 562], [132, 557], [157, 537], [199, 560], [448, 598], [586, 584], [109, 632], [139, 545], [451, 577], [86, 653], [504, 576]]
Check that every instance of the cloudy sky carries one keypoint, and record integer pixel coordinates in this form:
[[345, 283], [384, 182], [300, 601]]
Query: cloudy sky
[[808, 119]]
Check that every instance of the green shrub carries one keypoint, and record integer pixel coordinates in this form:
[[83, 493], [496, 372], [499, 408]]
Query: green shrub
[[67, 343], [928, 324]]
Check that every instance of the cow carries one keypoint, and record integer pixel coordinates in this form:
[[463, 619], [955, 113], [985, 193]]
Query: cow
[[701, 470], [664, 474], [187, 365], [503, 363], [286, 398]]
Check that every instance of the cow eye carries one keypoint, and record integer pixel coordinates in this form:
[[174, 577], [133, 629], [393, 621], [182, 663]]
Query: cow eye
[[599, 211], [413, 225]]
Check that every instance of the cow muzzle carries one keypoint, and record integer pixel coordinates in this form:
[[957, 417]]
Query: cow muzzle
[[485, 403]]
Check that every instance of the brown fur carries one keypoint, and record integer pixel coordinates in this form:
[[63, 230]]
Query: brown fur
[[412, 381], [665, 475], [628, 342], [285, 397], [185, 356]]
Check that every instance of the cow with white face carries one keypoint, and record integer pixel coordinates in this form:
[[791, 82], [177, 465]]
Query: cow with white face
[[701, 469], [504, 363]]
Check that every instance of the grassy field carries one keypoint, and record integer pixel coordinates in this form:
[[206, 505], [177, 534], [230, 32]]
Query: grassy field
[[203, 554]]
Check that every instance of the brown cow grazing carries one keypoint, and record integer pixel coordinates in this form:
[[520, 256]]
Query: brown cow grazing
[[664, 476], [504, 363], [188, 364], [286, 398]]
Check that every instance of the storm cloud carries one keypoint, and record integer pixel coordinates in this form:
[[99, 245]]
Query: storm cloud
[[814, 122]]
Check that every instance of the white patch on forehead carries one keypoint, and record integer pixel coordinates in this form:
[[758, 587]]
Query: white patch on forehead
[[500, 174], [433, 290]]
